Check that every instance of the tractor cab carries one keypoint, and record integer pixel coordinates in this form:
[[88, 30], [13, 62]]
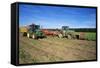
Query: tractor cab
[[65, 27], [34, 27]]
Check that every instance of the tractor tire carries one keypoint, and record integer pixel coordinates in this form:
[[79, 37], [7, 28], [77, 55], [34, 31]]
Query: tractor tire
[[24, 34], [28, 35], [69, 36], [34, 37], [60, 35]]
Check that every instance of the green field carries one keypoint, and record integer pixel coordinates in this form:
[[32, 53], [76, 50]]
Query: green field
[[90, 36]]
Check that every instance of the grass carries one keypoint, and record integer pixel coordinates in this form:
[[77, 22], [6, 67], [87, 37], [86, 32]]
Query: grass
[[90, 36]]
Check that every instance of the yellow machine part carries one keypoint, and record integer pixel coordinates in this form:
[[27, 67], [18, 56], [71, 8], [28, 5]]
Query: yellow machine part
[[23, 29]]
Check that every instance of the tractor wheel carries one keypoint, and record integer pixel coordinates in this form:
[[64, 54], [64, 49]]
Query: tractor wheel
[[28, 35], [69, 36], [33, 36], [60, 35], [24, 34]]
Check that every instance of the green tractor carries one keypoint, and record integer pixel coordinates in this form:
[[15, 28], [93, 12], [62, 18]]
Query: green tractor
[[66, 33], [35, 32]]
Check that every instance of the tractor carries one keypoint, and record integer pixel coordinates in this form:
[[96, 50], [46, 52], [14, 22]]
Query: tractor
[[65, 32], [34, 31]]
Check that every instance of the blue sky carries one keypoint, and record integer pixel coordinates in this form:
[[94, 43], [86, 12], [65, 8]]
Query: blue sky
[[56, 17]]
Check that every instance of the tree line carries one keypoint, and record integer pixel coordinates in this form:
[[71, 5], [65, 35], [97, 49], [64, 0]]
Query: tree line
[[77, 29], [84, 29]]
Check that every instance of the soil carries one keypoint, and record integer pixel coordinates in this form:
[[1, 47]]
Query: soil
[[54, 49]]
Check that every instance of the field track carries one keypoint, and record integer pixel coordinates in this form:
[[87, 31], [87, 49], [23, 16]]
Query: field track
[[54, 49]]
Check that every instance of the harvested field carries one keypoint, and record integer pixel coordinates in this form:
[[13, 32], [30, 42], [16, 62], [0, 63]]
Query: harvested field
[[53, 49]]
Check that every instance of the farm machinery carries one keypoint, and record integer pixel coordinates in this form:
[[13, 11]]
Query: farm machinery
[[34, 31], [65, 32]]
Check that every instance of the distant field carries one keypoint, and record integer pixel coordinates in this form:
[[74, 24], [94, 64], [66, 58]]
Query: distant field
[[54, 49], [90, 36]]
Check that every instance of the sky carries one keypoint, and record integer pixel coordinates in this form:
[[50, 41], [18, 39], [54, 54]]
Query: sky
[[56, 17]]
